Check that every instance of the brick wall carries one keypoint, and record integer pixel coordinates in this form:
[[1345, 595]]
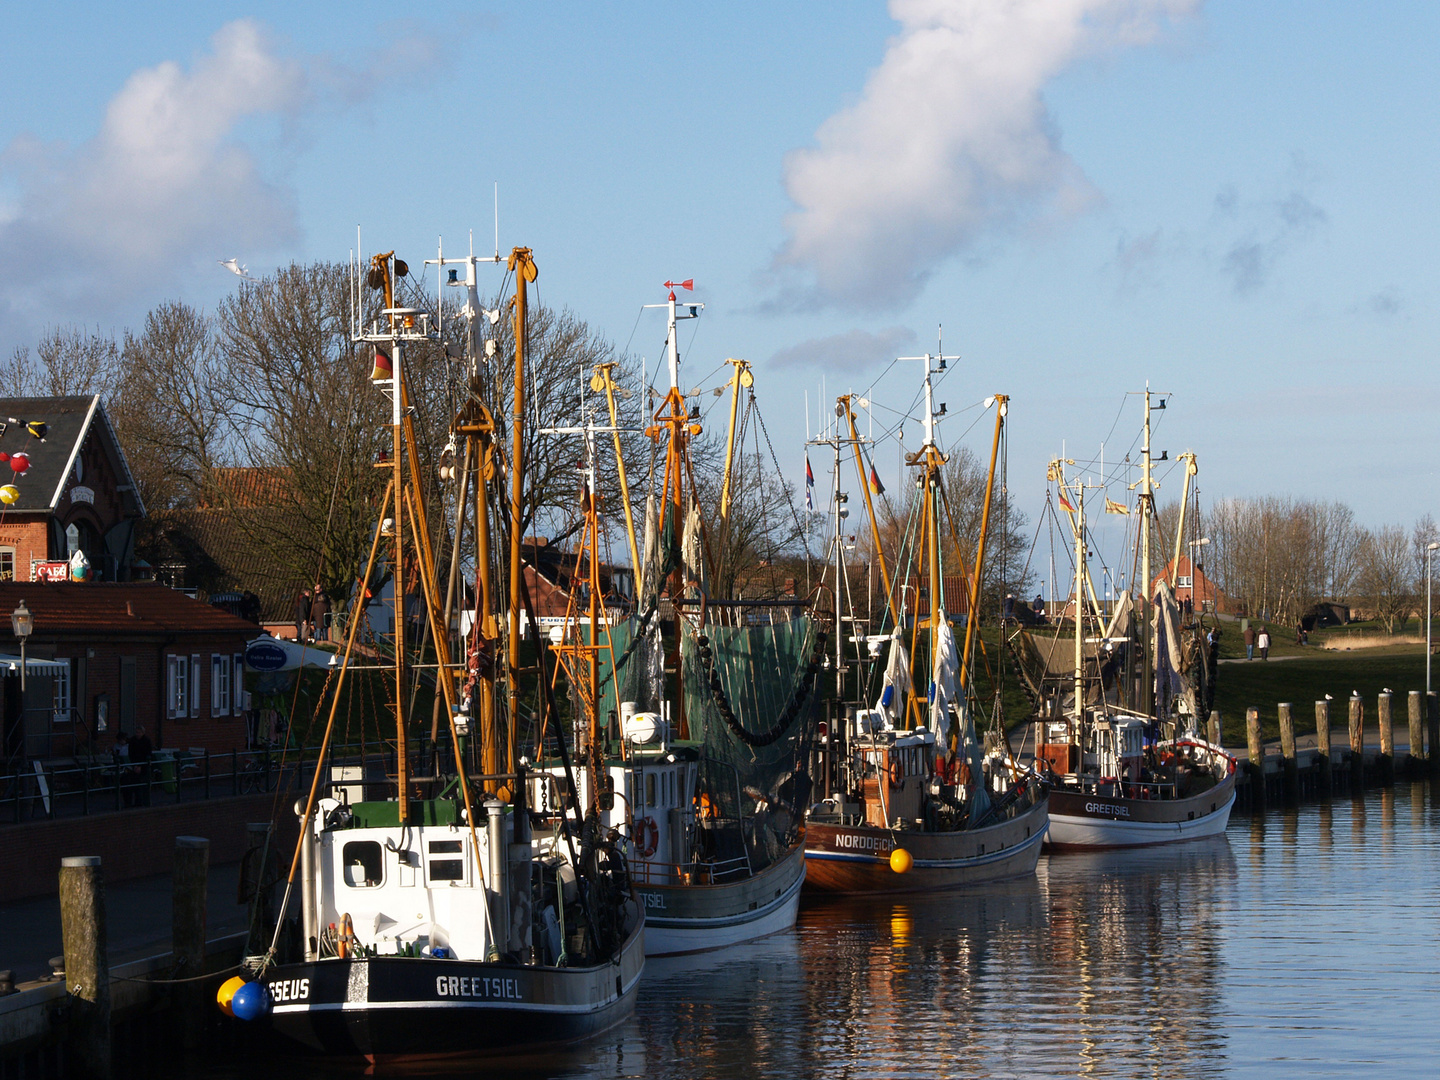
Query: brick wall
[[131, 843], [28, 536]]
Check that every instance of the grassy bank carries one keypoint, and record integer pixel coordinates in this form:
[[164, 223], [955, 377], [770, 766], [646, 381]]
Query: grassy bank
[[1307, 677]]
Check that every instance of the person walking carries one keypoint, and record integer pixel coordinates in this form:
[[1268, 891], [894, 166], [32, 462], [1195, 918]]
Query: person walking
[[1263, 641], [1249, 638], [320, 616], [302, 615]]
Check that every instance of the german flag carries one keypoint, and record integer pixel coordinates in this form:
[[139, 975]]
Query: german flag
[[876, 487]]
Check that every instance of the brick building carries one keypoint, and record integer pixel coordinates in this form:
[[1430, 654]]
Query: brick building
[[77, 494], [134, 654]]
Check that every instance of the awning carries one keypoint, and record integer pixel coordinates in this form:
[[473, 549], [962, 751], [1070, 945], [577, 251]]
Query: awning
[[11, 664], [268, 653]]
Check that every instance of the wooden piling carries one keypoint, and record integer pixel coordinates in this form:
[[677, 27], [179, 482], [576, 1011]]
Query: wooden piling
[[1417, 735], [1289, 771], [1257, 759], [1387, 741], [1322, 743], [1215, 733], [189, 889], [1357, 744], [87, 967]]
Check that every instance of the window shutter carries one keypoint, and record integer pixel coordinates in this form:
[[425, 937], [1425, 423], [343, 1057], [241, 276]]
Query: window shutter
[[171, 688], [215, 684], [194, 684], [238, 693]]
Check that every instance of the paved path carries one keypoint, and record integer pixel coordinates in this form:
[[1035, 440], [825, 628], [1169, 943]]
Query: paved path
[[137, 922]]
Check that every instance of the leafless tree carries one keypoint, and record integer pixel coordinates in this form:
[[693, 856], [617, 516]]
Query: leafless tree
[[1386, 579]]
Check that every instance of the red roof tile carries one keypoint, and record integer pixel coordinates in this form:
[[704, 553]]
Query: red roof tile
[[101, 608]]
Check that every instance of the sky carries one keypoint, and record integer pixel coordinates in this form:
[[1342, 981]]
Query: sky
[[1231, 201]]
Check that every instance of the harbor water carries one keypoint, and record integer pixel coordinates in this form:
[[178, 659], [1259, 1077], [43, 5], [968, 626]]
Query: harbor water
[[1303, 943]]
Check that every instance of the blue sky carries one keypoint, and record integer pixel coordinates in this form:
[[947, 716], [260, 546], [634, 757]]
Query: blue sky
[[1232, 200]]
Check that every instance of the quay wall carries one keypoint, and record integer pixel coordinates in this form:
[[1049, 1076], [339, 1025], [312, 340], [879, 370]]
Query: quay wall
[[134, 843]]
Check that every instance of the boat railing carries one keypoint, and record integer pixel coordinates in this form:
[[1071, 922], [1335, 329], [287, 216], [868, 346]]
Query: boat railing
[[719, 872]]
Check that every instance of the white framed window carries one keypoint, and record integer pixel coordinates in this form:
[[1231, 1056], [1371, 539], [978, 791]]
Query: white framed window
[[1183, 581], [177, 687], [240, 697], [60, 695], [219, 684], [194, 684]]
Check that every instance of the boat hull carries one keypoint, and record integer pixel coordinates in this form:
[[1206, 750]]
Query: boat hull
[[1079, 821], [855, 859], [393, 1007], [694, 918]]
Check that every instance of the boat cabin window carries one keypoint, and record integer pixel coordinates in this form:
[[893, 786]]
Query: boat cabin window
[[364, 864], [447, 869], [650, 789]]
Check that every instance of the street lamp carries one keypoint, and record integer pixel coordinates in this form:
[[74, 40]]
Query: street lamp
[[1429, 551], [22, 622]]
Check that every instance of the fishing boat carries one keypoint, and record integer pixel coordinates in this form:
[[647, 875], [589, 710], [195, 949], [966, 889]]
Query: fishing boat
[[1124, 751], [699, 776], [437, 921], [915, 802]]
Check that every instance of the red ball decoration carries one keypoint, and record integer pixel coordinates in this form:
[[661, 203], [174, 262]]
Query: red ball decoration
[[4, 457], [19, 462]]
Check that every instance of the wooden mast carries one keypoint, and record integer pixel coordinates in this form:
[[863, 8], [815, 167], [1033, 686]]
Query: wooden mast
[[1001, 402], [890, 604], [525, 272]]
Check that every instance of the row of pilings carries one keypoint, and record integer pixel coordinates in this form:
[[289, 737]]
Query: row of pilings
[[1321, 769]]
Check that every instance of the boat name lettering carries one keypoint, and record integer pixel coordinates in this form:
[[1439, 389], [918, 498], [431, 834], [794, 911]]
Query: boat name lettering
[[851, 840], [290, 989], [1107, 808], [653, 900], [477, 986]]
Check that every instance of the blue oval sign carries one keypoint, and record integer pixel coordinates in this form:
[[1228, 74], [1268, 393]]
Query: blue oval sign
[[265, 656]]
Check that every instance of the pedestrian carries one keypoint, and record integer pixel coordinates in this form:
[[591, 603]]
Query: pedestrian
[[1249, 638], [302, 615], [122, 765], [1263, 641], [141, 752], [1039, 608], [320, 615]]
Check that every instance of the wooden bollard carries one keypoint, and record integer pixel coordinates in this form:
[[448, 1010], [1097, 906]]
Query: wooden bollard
[[1417, 734], [1257, 759], [1357, 744], [189, 888], [1432, 731], [1216, 732], [1387, 741], [1289, 771], [1322, 744], [87, 967]]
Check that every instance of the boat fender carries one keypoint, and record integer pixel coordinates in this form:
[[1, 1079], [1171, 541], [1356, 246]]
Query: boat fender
[[250, 1001], [646, 837], [226, 993]]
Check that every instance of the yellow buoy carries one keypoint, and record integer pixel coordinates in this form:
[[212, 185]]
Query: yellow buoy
[[900, 861], [227, 992]]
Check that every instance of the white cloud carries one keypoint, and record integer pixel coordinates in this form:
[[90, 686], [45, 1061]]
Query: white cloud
[[163, 180], [177, 175], [950, 138], [854, 350]]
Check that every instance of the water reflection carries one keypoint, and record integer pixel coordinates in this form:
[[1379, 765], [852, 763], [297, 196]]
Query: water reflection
[[1299, 944]]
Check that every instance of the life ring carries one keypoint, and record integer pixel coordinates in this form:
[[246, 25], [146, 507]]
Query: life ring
[[895, 772], [646, 837]]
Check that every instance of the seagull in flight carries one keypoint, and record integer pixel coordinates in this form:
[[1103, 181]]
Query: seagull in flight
[[239, 269]]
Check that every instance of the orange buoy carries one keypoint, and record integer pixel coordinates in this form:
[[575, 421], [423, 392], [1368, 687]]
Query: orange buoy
[[901, 861], [226, 993]]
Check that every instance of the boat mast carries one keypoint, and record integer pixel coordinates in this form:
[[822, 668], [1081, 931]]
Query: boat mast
[[523, 265], [1002, 406], [1079, 606], [844, 401], [1147, 509], [930, 459]]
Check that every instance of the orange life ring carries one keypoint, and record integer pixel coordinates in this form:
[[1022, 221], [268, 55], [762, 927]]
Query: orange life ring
[[896, 773], [646, 837]]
